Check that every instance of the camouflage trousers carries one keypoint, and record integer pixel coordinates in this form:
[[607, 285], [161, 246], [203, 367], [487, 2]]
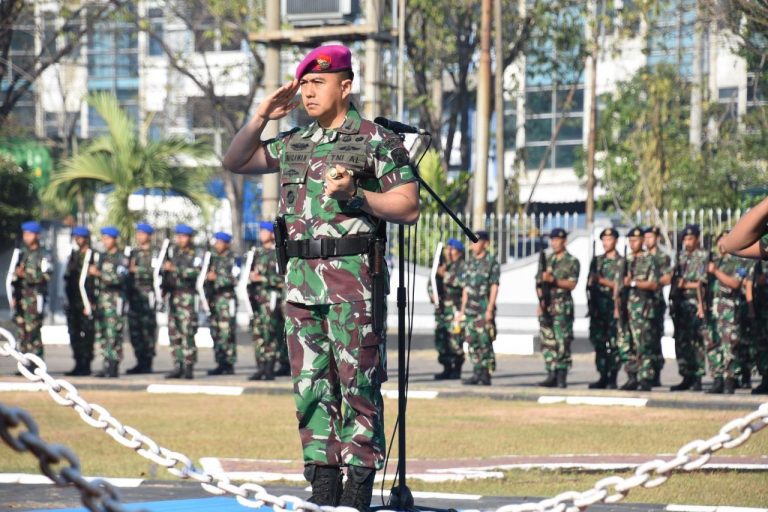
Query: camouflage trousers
[[182, 327], [636, 349], [81, 333], [761, 347], [725, 342], [109, 324], [689, 339], [223, 311], [337, 367], [29, 321], [267, 329], [556, 335], [447, 343], [602, 335], [479, 342], [142, 323]]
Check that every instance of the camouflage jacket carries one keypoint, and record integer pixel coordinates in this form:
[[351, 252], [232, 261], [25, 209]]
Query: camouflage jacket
[[37, 270], [609, 268], [733, 266], [642, 267], [223, 265], [265, 264], [566, 267], [187, 265], [114, 270], [664, 264], [477, 276], [303, 155], [452, 289], [142, 277], [693, 267]]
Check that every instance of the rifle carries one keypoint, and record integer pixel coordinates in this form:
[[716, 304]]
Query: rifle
[[200, 284], [621, 296], [81, 283], [157, 280], [592, 286], [675, 292], [543, 289], [12, 285], [244, 279], [435, 280]]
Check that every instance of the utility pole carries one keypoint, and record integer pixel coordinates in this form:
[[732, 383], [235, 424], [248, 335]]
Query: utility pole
[[269, 182], [372, 73], [480, 182], [694, 135], [499, 100], [593, 27]]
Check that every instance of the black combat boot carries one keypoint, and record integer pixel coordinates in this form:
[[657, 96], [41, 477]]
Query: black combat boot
[[656, 383], [143, 366], [77, 370], [259, 373], [746, 380], [762, 388], [550, 381], [730, 386], [717, 387], [443, 375], [358, 488], [485, 377], [269, 369], [474, 380], [189, 371], [176, 373], [601, 383], [561, 376], [326, 484], [611, 380], [631, 384], [684, 385], [646, 385], [456, 370], [695, 383], [220, 369], [112, 368], [283, 370]]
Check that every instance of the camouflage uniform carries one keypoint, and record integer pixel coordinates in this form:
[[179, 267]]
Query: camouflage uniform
[[142, 321], [556, 325], [221, 299], [30, 292], [636, 347], [727, 315], [336, 356], [761, 321], [266, 300], [692, 331], [602, 325], [109, 304], [80, 325], [477, 277], [448, 343], [664, 265], [182, 315]]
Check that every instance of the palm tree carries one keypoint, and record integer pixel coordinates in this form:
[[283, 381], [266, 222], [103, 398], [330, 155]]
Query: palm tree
[[120, 160]]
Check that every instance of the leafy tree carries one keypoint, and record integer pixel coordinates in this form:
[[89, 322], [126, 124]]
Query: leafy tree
[[122, 161], [17, 199]]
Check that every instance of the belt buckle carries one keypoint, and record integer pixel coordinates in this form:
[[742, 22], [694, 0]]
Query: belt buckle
[[315, 247]]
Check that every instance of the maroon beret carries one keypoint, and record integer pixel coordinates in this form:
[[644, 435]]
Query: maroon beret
[[325, 59]]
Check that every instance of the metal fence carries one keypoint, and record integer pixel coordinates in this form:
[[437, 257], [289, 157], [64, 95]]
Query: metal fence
[[518, 236]]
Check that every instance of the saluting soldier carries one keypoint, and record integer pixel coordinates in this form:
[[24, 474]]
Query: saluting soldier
[[332, 242], [142, 321], [30, 287], [448, 338], [602, 325], [727, 317], [79, 324], [691, 321], [265, 293], [664, 264], [110, 272], [222, 279], [479, 279], [640, 285], [180, 272], [556, 324]]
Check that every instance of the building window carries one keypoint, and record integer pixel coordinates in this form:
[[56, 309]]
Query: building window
[[156, 24], [545, 106]]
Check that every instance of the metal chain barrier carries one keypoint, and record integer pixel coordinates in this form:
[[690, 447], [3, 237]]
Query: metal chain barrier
[[97, 495], [612, 489]]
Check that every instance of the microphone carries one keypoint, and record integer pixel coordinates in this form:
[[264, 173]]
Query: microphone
[[399, 127]]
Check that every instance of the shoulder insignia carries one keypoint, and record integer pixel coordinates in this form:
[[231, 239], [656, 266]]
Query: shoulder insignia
[[298, 146]]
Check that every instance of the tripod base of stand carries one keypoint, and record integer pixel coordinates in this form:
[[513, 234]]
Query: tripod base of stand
[[401, 498]]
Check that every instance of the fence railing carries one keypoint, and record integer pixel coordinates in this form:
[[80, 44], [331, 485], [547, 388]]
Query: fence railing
[[518, 236]]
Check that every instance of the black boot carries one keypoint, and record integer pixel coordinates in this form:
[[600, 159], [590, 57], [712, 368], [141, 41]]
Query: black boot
[[189, 371], [176, 373], [112, 368], [76, 371], [730, 386], [601, 383], [456, 370], [562, 378], [358, 489], [550, 381], [443, 375], [136, 370], [717, 387], [474, 380], [326, 484], [656, 383], [259, 373], [762, 388], [219, 370], [746, 380], [696, 384], [611, 380], [631, 384], [485, 377], [269, 369], [142, 366], [684, 385], [283, 370], [104, 372], [646, 385]]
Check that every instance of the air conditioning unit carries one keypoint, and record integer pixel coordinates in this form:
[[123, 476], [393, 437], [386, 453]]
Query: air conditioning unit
[[309, 13]]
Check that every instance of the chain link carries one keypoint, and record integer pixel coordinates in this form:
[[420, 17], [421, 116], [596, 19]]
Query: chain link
[[653, 473]]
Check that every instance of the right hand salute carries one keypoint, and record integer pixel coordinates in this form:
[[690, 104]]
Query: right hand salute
[[280, 103]]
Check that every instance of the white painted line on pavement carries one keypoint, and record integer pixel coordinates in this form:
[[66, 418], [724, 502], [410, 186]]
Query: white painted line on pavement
[[195, 390], [34, 479], [423, 395], [594, 400], [22, 386], [699, 508]]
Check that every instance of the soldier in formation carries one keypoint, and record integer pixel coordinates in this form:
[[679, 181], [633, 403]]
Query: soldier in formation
[[142, 321], [220, 292], [77, 283], [560, 276], [664, 265], [480, 286], [448, 330], [30, 288]]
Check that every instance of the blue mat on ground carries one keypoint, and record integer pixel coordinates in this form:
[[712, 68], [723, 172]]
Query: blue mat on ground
[[220, 504]]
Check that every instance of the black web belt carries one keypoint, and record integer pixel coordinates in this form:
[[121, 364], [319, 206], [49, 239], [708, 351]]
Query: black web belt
[[328, 247]]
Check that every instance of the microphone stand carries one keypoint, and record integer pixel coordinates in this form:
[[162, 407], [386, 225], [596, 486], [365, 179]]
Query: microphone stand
[[401, 497]]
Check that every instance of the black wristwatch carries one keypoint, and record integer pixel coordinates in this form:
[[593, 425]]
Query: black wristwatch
[[358, 198]]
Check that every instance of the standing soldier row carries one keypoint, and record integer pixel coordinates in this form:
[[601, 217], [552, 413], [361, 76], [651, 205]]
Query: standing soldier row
[[448, 292]]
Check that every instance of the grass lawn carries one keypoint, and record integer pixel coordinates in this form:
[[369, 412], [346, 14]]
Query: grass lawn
[[263, 427]]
